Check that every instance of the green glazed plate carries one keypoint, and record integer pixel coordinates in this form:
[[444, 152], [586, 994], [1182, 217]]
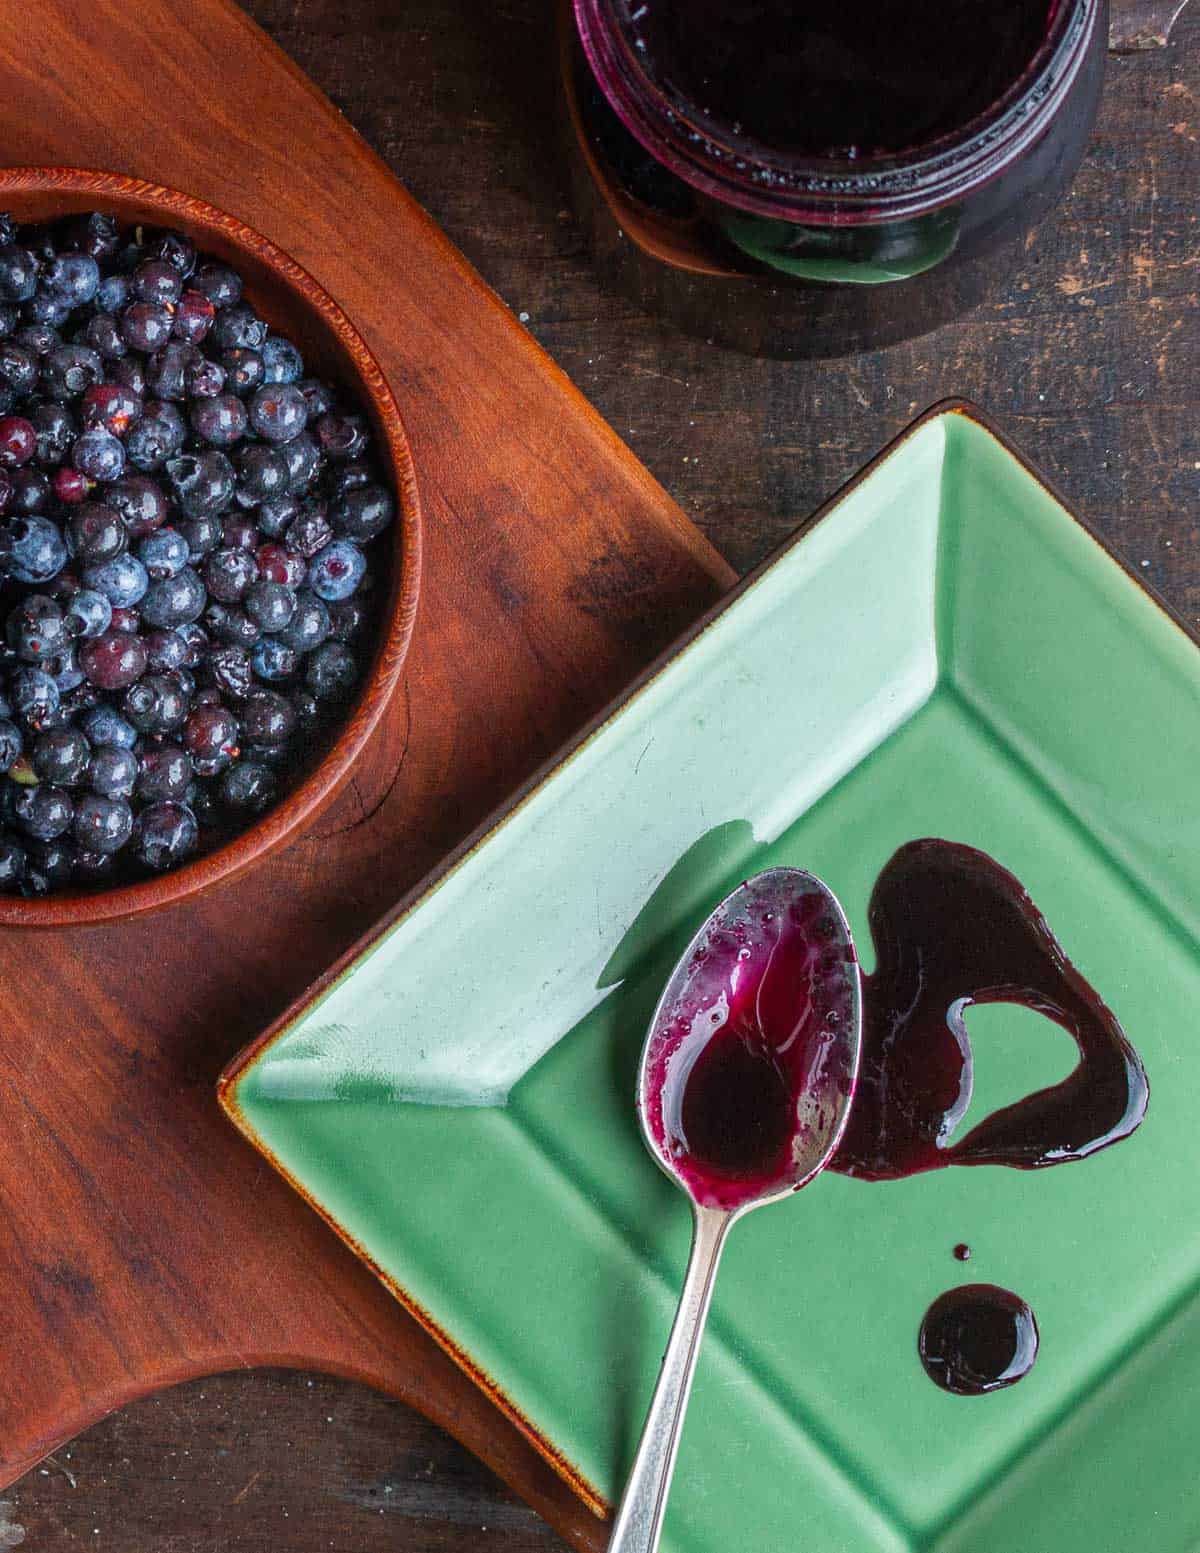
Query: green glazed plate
[[945, 651]]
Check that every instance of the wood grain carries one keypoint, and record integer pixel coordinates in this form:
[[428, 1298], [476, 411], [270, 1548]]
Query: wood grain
[[145, 1244], [1089, 354]]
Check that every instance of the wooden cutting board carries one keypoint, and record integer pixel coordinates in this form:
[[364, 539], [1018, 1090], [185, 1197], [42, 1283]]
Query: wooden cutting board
[[144, 1242]]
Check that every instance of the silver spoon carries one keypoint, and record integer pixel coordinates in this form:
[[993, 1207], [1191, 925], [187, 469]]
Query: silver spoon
[[744, 1090]]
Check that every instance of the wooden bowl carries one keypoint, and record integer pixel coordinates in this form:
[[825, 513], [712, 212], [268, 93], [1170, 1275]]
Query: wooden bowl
[[292, 301]]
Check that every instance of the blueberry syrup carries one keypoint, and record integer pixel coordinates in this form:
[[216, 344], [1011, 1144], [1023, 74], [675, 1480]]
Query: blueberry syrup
[[745, 1069], [977, 1338], [951, 927], [859, 78], [747, 1066]]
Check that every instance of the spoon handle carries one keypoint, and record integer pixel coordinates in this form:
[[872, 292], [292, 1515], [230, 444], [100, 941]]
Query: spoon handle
[[639, 1520]]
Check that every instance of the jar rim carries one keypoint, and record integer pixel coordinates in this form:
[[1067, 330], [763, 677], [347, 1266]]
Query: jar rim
[[740, 171]]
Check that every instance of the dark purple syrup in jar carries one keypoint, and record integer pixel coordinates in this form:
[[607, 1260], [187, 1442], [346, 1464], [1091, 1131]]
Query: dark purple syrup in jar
[[851, 78], [977, 1338]]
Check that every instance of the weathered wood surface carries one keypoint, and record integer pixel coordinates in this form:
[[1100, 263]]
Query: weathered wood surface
[[1090, 357]]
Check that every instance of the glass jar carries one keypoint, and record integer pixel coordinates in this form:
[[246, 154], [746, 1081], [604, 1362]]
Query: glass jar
[[789, 252]]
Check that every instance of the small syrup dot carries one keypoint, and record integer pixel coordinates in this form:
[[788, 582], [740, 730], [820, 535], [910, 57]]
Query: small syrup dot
[[962, 1252]]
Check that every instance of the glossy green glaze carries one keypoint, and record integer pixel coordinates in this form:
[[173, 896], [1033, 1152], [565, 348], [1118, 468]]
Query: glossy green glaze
[[946, 652]]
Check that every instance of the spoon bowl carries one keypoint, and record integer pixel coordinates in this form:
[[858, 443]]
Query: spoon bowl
[[744, 1090]]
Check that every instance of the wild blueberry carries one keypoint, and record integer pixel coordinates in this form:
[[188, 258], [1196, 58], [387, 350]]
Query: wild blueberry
[[164, 772], [203, 483], [240, 532], [249, 786], [96, 534], [18, 273], [194, 317], [48, 864], [99, 455], [18, 367], [166, 650], [66, 673], [244, 370], [68, 370], [112, 771], [166, 834], [35, 628], [229, 669], [262, 472], [228, 573], [131, 371], [232, 625], [145, 326], [267, 717], [174, 601], [123, 580], [202, 535], [304, 462], [179, 252], [32, 549], [211, 733], [341, 436], [221, 421], [331, 671], [104, 725], [140, 503], [12, 862], [204, 378], [279, 564], [11, 743], [102, 824], [113, 293], [71, 278], [114, 660], [55, 430], [310, 530], [154, 439], [278, 411], [221, 285], [239, 326], [270, 604], [104, 336], [157, 281], [309, 625], [30, 491], [156, 704], [43, 812], [110, 407], [60, 755], [363, 514], [18, 441], [70, 486], [273, 659], [97, 234], [282, 362], [276, 514], [335, 572], [164, 553], [346, 620], [167, 370]]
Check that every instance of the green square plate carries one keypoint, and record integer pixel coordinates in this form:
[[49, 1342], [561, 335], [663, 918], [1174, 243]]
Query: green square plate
[[945, 651]]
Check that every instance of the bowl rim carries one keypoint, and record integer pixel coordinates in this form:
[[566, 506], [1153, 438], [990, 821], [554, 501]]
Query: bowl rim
[[278, 825]]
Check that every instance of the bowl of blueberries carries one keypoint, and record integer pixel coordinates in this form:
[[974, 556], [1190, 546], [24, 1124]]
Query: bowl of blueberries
[[209, 546]]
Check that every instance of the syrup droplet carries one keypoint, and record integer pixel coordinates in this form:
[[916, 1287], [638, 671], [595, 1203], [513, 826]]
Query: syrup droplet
[[978, 1338]]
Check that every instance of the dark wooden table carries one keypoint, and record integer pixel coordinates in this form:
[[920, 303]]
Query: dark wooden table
[[1090, 357]]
